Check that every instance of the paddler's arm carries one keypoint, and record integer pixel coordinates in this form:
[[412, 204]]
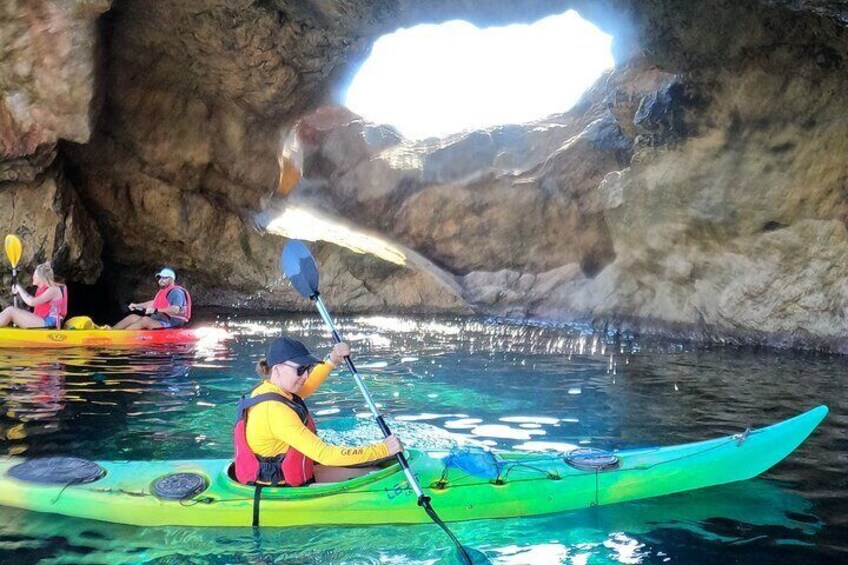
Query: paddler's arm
[[298, 436], [170, 310], [51, 294], [322, 371]]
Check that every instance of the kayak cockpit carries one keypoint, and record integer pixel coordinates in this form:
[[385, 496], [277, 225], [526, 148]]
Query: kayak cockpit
[[226, 479]]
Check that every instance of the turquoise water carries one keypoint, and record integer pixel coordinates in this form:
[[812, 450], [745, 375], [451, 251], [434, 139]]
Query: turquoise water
[[442, 382]]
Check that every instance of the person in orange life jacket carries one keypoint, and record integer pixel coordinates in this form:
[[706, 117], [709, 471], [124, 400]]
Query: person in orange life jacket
[[50, 302], [279, 444], [170, 308]]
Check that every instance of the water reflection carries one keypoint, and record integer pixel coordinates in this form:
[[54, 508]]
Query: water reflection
[[89, 398], [40, 396]]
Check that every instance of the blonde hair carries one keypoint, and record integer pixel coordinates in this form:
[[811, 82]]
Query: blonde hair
[[45, 271]]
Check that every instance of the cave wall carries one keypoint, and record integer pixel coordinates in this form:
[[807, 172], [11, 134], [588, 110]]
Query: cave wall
[[700, 185], [47, 81], [737, 231]]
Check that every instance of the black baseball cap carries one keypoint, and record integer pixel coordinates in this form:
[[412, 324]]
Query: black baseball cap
[[285, 349]]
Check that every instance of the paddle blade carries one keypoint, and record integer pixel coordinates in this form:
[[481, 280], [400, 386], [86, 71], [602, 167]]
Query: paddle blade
[[472, 556], [299, 267], [13, 249]]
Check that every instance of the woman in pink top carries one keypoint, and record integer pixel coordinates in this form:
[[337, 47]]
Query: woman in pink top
[[49, 303]]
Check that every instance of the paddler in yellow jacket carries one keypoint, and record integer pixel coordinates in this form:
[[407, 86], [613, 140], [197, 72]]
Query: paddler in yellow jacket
[[274, 438]]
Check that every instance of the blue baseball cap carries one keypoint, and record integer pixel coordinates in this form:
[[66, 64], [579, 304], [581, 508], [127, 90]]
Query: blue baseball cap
[[166, 272], [285, 349]]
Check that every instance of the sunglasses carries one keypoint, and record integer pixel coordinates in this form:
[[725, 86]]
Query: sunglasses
[[301, 369]]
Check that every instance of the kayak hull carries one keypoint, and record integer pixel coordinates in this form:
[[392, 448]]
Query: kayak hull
[[532, 484], [47, 338]]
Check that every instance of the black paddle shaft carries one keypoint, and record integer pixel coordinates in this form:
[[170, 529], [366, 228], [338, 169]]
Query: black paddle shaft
[[14, 283]]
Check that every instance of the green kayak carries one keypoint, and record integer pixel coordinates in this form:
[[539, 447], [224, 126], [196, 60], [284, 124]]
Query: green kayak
[[202, 493]]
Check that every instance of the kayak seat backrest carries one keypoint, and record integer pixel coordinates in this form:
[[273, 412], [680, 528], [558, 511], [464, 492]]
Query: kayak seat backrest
[[231, 474]]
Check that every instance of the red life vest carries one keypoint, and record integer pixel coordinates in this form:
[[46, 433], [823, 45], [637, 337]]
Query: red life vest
[[292, 468], [160, 301], [58, 311]]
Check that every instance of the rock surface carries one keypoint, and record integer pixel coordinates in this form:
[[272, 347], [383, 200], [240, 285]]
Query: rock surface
[[53, 225], [699, 188], [47, 78]]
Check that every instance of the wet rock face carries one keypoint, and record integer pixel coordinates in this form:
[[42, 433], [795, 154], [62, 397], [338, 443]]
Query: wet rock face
[[701, 185]]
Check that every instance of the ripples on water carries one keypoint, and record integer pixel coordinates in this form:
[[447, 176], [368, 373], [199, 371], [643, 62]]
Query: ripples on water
[[442, 382]]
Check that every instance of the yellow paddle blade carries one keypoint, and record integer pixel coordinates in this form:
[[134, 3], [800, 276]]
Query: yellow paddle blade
[[13, 249]]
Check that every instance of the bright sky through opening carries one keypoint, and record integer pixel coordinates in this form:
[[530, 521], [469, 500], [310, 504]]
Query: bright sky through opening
[[434, 80]]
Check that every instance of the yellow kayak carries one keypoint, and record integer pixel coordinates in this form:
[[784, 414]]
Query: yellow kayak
[[48, 338]]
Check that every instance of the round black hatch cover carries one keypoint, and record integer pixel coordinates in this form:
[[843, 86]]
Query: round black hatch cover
[[179, 486], [57, 471]]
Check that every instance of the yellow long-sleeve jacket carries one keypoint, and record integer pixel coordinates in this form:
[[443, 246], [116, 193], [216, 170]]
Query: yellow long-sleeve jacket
[[273, 427]]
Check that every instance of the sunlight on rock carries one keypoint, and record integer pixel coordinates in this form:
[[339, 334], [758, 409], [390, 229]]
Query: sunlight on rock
[[301, 223]]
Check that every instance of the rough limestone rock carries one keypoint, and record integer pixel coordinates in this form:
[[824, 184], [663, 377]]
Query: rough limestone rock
[[47, 77], [699, 188], [52, 224], [225, 259], [496, 192], [47, 73]]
